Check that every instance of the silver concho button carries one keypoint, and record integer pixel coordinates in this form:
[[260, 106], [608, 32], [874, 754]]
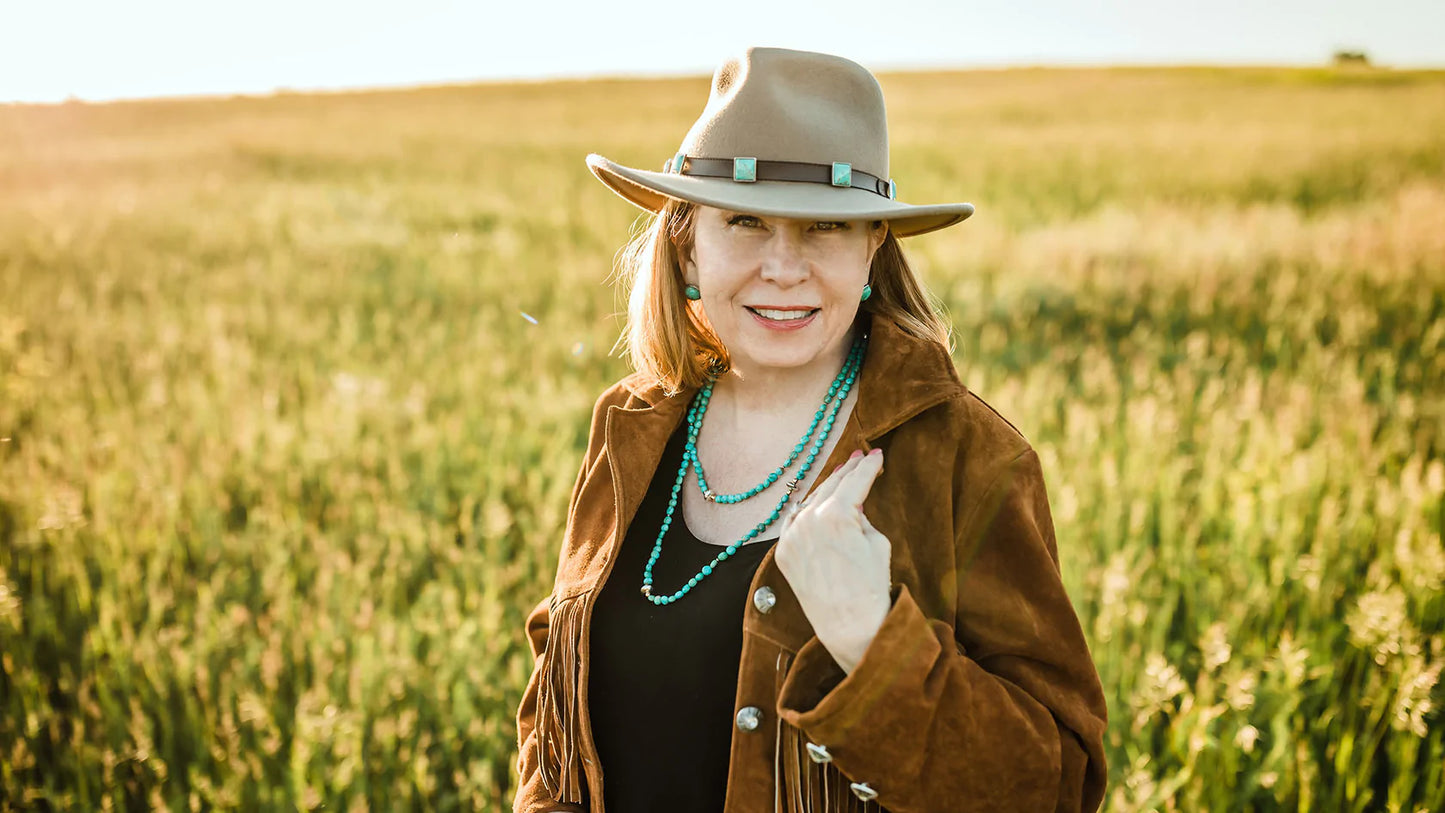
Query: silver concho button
[[818, 753], [764, 599], [862, 791], [749, 718]]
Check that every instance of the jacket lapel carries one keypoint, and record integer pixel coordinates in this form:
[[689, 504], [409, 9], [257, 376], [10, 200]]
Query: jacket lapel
[[635, 440], [902, 376]]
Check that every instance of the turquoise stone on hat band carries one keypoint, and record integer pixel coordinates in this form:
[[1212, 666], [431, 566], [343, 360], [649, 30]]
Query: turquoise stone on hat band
[[745, 170], [677, 161], [842, 173]]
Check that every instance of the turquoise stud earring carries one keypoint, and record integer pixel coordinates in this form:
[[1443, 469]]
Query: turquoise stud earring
[[867, 292], [691, 292]]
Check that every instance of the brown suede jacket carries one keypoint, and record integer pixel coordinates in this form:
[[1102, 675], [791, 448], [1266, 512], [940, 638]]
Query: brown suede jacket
[[978, 692]]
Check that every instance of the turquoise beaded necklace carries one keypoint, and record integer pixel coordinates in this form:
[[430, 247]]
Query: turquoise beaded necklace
[[694, 424], [824, 417]]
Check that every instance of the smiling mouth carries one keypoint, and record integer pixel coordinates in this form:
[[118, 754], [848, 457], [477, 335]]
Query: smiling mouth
[[783, 314]]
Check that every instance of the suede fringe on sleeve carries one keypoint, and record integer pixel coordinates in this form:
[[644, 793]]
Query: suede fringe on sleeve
[[560, 762]]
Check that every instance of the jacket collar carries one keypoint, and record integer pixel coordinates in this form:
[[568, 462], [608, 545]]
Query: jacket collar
[[902, 376]]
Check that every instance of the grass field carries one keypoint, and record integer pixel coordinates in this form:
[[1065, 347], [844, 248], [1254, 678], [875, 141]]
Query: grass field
[[284, 462]]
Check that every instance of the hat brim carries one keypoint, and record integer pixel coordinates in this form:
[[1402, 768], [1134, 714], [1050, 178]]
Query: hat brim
[[650, 191]]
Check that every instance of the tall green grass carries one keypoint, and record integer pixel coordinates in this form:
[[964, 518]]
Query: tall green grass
[[283, 462]]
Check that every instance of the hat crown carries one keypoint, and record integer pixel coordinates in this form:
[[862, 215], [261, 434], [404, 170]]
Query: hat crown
[[776, 104]]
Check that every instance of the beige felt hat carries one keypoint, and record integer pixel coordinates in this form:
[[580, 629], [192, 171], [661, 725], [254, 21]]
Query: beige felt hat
[[788, 134]]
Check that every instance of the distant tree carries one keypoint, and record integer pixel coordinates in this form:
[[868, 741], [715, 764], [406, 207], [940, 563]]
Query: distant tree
[[1356, 59]]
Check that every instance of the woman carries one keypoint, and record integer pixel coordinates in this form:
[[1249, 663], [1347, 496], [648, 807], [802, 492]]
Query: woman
[[905, 640]]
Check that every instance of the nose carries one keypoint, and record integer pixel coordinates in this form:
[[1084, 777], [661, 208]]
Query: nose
[[786, 261]]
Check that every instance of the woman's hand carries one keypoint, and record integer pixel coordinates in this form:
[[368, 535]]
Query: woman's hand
[[837, 562]]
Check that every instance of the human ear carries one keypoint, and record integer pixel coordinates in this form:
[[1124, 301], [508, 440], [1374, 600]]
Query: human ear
[[687, 263], [877, 233]]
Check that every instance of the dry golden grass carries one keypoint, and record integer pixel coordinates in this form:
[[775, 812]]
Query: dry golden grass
[[282, 464]]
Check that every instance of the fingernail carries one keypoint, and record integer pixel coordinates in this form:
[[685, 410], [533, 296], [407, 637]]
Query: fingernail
[[856, 453], [876, 450]]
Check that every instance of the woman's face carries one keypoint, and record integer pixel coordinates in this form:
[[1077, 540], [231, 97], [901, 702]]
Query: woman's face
[[755, 271]]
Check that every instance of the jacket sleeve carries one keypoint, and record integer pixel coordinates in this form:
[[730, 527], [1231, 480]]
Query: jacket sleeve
[[1006, 714], [531, 796]]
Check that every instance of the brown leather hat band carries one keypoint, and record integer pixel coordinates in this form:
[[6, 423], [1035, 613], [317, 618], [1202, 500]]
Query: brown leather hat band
[[747, 170]]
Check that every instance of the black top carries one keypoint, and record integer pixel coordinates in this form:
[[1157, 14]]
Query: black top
[[664, 679]]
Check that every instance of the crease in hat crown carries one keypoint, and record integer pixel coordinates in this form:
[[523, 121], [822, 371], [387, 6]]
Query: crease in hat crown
[[784, 131], [818, 108]]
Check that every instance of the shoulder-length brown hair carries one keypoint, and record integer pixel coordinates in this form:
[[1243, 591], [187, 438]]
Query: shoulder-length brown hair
[[668, 338]]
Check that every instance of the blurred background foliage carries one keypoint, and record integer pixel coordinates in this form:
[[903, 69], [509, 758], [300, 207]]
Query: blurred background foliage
[[293, 391]]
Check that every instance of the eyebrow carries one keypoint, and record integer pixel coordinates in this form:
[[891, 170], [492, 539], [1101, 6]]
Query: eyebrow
[[728, 214]]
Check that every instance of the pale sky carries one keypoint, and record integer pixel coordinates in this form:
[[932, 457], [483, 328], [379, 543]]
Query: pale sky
[[144, 48]]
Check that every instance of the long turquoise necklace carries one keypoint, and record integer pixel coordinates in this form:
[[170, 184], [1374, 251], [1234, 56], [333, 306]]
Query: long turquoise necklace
[[825, 416]]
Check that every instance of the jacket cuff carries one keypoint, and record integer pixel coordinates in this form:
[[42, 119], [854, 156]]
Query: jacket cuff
[[534, 800], [818, 698], [531, 797]]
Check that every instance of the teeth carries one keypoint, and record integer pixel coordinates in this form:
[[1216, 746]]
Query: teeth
[[782, 316]]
